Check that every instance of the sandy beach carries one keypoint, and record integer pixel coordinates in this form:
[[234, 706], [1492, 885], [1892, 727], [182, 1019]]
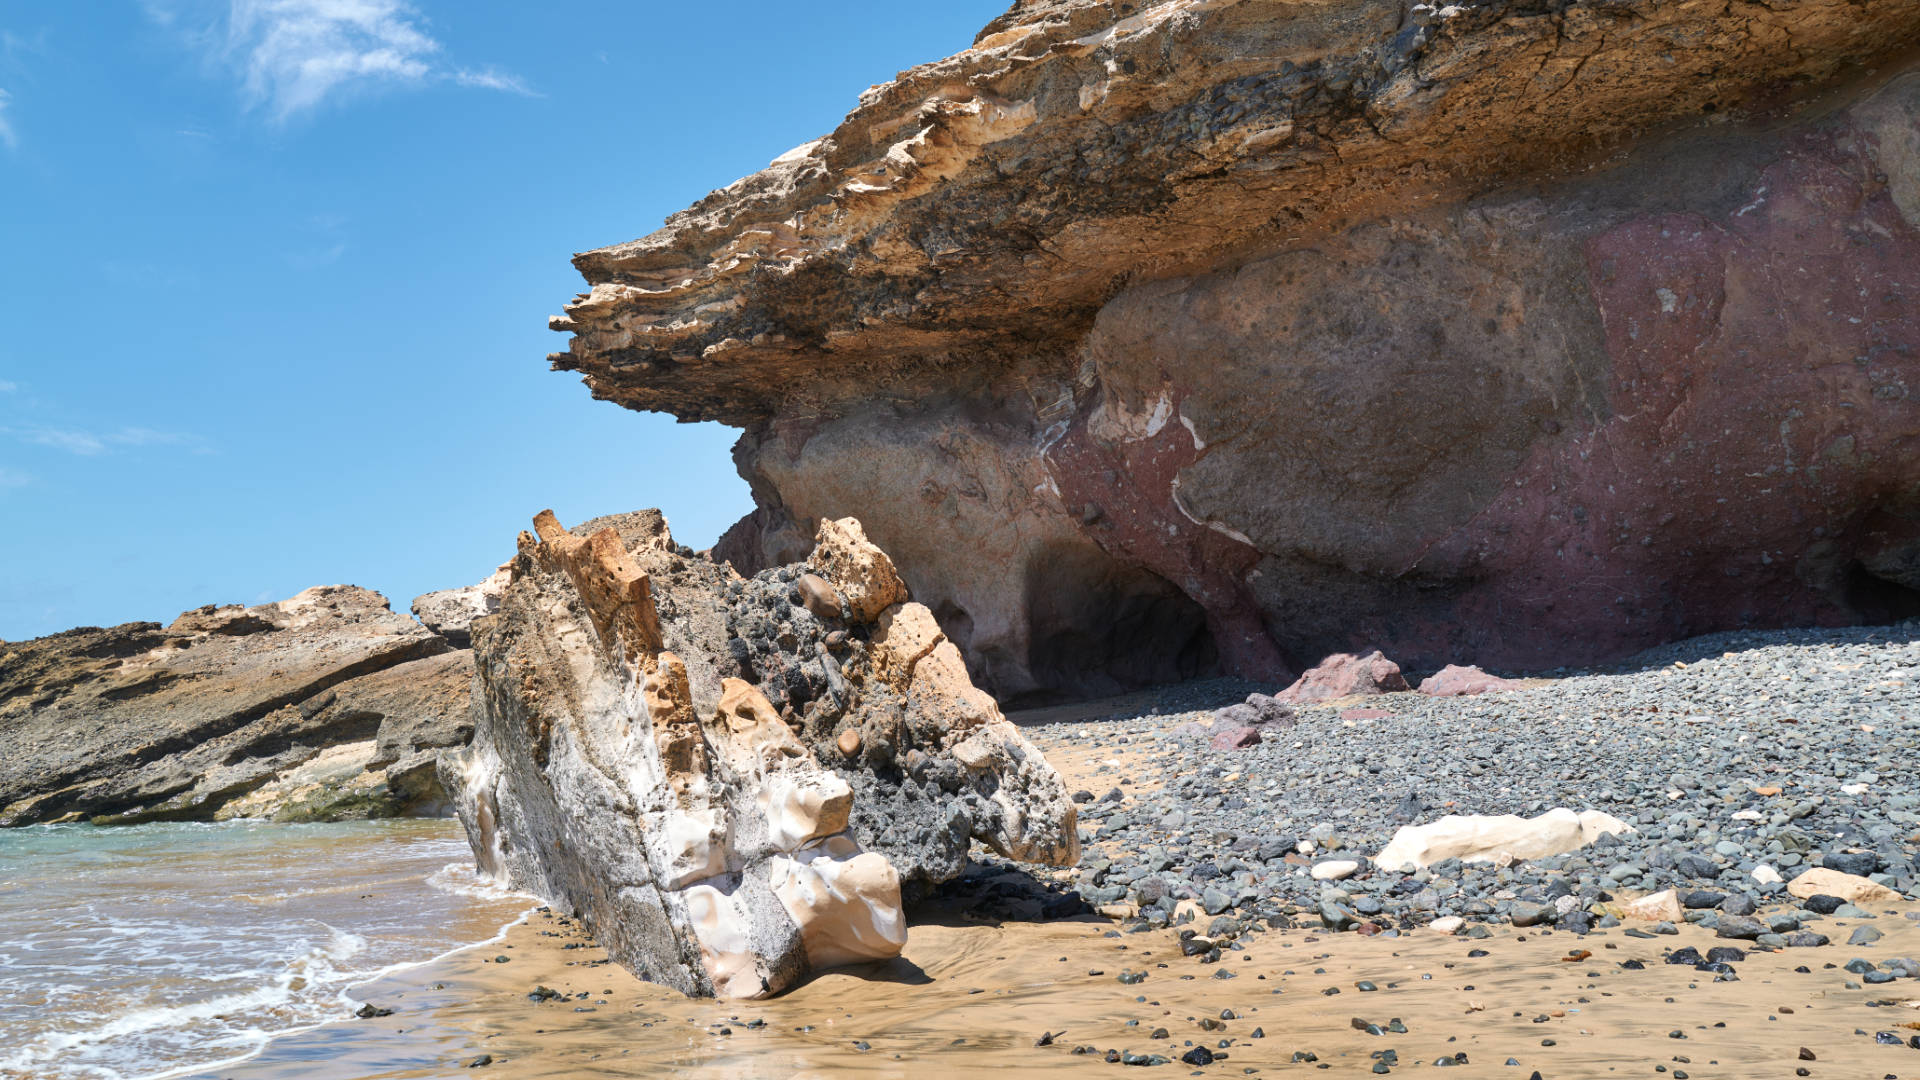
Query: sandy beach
[[967, 998]]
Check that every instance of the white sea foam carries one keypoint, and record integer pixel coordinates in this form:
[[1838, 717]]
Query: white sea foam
[[155, 967]]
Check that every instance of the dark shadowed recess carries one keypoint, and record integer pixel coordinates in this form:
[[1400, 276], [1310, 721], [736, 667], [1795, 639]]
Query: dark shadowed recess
[[1099, 627]]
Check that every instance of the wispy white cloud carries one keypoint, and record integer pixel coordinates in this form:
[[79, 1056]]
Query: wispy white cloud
[[91, 444], [13, 478], [292, 56], [494, 79], [8, 387], [7, 134]]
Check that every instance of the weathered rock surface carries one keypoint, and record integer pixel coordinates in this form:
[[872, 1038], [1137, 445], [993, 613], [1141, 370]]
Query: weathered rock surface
[[324, 706], [1852, 888], [731, 781], [1496, 838], [450, 612], [1346, 675], [1155, 336], [1457, 681]]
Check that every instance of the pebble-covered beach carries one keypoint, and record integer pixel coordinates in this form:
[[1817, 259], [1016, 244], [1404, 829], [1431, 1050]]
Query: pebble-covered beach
[[1739, 759]]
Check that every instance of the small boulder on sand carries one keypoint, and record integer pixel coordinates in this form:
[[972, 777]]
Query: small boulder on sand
[[1663, 906], [1849, 887]]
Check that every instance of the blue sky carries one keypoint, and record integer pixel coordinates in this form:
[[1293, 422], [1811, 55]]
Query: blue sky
[[276, 275]]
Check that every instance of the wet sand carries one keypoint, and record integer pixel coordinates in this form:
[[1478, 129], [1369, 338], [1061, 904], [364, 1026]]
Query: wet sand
[[971, 996]]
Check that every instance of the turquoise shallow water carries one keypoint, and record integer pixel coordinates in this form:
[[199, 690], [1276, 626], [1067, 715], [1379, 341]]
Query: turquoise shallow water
[[141, 951]]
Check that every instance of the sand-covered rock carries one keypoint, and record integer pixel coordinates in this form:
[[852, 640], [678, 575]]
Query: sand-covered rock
[[734, 781], [222, 713], [1491, 838]]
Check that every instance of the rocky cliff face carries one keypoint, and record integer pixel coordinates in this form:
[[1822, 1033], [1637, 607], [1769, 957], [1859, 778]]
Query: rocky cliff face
[[321, 707], [731, 780], [1155, 336]]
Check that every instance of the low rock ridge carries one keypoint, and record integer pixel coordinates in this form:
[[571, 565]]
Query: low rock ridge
[[324, 706], [734, 782], [1160, 338]]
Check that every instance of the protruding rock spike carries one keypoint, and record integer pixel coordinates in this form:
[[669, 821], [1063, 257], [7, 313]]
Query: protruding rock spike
[[615, 589]]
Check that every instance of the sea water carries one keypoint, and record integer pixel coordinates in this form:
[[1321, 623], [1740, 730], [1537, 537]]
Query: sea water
[[143, 951]]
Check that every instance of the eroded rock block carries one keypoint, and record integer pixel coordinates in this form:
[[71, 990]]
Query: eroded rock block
[[733, 781], [1345, 675], [1501, 839], [1456, 681]]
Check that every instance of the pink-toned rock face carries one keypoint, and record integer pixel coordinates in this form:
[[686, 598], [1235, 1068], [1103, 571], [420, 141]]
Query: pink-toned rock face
[[1237, 738], [1456, 681], [1345, 675]]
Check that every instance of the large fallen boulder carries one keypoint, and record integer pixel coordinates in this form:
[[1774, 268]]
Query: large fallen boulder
[[1502, 839], [324, 706], [732, 781]]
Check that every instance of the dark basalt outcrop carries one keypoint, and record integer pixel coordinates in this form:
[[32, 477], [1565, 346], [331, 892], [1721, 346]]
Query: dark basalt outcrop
[[325, 706], [1150, 337], [731, 780]]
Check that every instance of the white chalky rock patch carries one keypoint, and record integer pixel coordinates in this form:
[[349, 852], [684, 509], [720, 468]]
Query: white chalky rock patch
[[722, 926], [1503, 838], [800, 809], [1334, 870], [845, 902]]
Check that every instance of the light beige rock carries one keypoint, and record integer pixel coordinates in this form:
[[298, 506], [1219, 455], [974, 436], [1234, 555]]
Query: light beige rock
[[846, 902], [1663, 906], [1447, 924], [1765, 874], [862, 573], [1503, 838], [1849, 887], [1334, 870], [918, 660]]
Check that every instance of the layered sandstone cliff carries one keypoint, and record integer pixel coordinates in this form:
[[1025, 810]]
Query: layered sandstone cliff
[[731, 780], [1153, 336], [324, 706]]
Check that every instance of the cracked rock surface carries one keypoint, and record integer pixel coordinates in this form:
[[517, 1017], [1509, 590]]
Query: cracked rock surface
[[733, 782], [1168, 337], [324, 706]]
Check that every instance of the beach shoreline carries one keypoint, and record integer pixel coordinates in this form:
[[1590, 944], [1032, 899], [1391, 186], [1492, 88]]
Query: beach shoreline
[[971, 996]]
